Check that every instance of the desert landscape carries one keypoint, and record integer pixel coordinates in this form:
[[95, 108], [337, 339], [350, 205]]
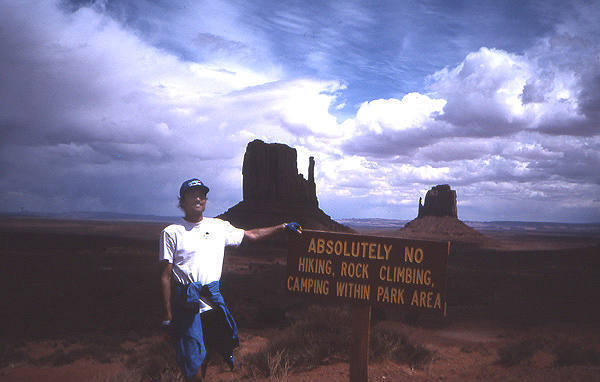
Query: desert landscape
[[452, 147], [81, 303]]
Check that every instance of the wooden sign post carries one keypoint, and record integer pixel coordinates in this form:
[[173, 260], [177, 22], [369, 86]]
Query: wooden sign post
[[368, 270], [361, 332]]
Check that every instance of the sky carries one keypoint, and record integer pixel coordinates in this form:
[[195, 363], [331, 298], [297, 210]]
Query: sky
[[110, 105]]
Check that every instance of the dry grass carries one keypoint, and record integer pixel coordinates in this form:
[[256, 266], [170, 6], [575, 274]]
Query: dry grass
[[569, 354], [155, 362], [516, 352], [314, 339], [11, 353], [279, 365], [319, 337], [137, 375], [390, 344], [566, 353]]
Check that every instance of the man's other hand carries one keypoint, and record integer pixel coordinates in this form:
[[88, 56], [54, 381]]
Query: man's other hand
[[293, 227]]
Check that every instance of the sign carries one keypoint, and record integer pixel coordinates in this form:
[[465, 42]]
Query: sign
[[408, 274]]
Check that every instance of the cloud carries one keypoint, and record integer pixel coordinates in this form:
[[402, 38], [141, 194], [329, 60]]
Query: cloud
[[495, 117], [96, 114], [394, 127], [110, 105], [455, 149], [483, 94]]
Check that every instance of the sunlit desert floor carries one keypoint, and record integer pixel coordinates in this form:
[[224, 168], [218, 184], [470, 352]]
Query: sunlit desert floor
[[81, 302]]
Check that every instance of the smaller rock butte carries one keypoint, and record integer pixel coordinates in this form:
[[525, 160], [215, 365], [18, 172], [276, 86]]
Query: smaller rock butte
[[274, 191], [437, 219]]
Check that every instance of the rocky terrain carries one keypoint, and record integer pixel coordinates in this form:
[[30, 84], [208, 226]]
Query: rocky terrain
[[82, 304]]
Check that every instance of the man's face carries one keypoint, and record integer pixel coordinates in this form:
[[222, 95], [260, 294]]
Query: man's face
[[194, 201]]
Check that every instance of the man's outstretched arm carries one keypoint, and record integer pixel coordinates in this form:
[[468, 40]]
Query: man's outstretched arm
[[256, 234]]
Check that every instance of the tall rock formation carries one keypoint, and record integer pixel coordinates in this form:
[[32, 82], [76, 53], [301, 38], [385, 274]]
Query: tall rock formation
[[270, 174], [274, 191], [439, 201]]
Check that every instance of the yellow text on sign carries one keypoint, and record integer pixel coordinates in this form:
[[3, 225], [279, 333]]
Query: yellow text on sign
[[362, 249], [307, 285], [312, 265]]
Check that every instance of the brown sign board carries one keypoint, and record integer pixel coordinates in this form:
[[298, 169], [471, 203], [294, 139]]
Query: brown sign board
[[407, 274]]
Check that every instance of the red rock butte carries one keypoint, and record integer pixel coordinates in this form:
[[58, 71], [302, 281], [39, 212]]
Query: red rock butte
[[439, 201], [437, 219], [274, 191]]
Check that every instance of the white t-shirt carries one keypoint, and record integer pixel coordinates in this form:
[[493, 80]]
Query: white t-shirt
[[196, 249]]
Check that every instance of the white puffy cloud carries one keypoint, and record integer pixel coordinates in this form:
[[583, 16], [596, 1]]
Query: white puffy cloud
[[93, 112], [413, 111], [509, 126], [483, 93], [96, 113], [394, 127]]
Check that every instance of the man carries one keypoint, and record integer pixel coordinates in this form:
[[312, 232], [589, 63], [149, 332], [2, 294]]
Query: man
[[191, 258]]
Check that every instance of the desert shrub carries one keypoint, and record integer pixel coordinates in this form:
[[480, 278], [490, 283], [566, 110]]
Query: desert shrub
[[275, 364], [279, 365], [121, 375], [390, 344], [568, 353], [155, 362], [101, 352], [323, 335], [137, 375], [519, 351], [100, 348], [10, 354], [58, 358], [317, 337]]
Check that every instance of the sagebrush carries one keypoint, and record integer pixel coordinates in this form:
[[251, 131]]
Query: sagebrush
[[323, 335]]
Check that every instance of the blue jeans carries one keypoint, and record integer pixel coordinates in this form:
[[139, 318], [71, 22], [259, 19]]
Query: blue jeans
[[193, 332]]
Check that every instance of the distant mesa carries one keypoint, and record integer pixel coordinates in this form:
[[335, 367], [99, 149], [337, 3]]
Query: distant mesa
[[437, 219], [274, 191]]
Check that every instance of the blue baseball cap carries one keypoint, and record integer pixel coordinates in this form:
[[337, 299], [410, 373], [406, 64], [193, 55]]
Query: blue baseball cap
[[192, 183]]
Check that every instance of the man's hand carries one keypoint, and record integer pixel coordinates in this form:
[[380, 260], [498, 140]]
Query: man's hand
[[166, 329], [256, 234], [293, 227]]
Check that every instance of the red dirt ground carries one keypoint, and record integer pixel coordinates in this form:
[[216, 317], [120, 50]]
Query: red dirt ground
[[82, 303]]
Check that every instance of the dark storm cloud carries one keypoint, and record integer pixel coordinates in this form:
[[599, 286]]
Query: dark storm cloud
[[109, 105], [389, 47], [590, 100], [576, 166], [57, 89], [92, 116], [456, 149], [370, 46], [393, 143]]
